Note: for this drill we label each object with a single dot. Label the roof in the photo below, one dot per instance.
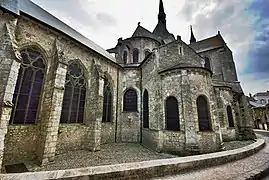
(262, 94)
(256, 105)
(143, 32)
(31, 9)
(208, 44)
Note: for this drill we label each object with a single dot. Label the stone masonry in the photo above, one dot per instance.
(165, 67)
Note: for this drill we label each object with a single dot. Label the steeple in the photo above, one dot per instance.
(193, 39)
(161, 15)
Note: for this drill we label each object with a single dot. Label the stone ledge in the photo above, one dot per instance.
(142, 170)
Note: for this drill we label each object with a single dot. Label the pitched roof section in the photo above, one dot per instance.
(143, 32)
(33, 10)
(208, 44)
(262, 94)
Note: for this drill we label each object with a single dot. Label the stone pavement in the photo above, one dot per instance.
(112, 154)
(241, 169)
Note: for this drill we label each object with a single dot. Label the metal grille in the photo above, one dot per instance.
(172, 114)
(135, 56)
(203, 114)
(146, 110)
(107, 102)
(130, 101)
(74, 95)
(230, 116)
(28, 88)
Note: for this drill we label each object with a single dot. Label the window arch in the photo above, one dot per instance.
(172, 114)
(107, 102)
(203, 114)
(207, 63)
(125, 57)
(135, 55)
(146, 109)
(130, 101)
(74, 94)
(28, 88)
(230, 116)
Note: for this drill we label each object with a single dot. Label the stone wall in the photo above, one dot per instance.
(174, 142)
(151, 139)
(108, 133)
(20, 143)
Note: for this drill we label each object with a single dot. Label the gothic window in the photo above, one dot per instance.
(146, 109)
(172, 114)
(207, 63)
(107, 102)
(230, 116)
(203, 114)
(135, 56)
(125, 57)
(28, 88)
(130, 101)
(74, 94)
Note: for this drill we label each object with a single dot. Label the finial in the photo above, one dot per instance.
(193, 39)
(138, 23)
(218, 32)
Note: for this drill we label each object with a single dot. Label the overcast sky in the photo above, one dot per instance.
(244, 24)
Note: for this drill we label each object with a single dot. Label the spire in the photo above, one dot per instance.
(162, 15)
(193, 39)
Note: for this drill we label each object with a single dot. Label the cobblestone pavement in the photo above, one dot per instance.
(112, 154)
(234, 170)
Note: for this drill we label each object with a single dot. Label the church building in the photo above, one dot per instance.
(61, 92)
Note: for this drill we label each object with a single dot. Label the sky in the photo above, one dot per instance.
(244, 25)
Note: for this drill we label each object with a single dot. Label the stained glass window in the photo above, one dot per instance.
(107, 102)
(230, 116)
(146, 110)
(74, 94)
(203, 114)
(28, 88)
(172, 114)
(130, 101)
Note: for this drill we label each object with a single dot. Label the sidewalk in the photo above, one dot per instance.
(246, 168)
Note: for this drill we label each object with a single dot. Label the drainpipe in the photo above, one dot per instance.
(117, 96)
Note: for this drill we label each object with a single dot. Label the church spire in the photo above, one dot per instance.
(193, 39)
(162, 15)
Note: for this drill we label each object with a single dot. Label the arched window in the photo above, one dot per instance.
(203, 114)
(171, 114)
(135, 55)
(146, 109)
(74, 94)
(230, 116)
(130, 101)
(147, 52)
(107, 102)
(207, 63)
(28, 88)
(125, 57)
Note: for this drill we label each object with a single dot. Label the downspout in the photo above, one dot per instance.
(141, 96)
(117, 102)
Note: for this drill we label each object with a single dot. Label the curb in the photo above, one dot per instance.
(144, 169)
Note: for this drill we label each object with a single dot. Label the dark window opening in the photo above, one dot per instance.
(130, 101)
(172, 114)
(74, 95)
(27, 93)
(207, 63)
(203, 114)
(135, 56)
(107, 102)
(125, 57)
(147, 53)
(230, 116)
(146, 110)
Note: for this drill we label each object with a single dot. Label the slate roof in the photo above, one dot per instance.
(143, 32)
(31, 9)
(256, 105)
(262, 94)
(208, 44)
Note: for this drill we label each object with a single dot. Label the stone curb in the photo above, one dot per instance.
(144, 169)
